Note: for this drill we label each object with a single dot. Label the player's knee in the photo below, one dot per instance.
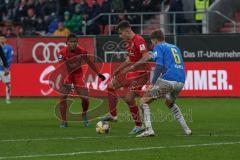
(110, 87)
(169, 103)
(144, 100)
(129, 100)
(85, 99)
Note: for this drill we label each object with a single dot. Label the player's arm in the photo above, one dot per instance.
(10, 56)
(93, 67)
(146, 57)
(122, 66)
(159, 69)
(141, 46)
(4, 60)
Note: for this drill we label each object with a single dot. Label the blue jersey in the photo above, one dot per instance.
(8, 53)
(169, 56)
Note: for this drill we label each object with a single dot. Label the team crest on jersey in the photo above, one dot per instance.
(60, 57)
(153, 54)
(142, 47)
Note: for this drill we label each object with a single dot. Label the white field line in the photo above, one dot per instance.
(97, 137)
(118, 150)
(208, 135)
(59, 138)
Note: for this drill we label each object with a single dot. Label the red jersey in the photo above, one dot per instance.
(65, 54)
(135, 48)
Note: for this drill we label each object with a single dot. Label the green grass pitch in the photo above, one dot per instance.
(29, 130)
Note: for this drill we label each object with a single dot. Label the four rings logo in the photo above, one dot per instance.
(46, 52)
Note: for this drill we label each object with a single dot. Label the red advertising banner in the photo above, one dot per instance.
(44, 50)
(204, 79)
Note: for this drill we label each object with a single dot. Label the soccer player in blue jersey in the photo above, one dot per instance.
(4, 69)
(168, 80)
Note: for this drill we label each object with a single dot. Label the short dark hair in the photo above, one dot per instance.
(123, 25)
(157, 34)
(71, 35)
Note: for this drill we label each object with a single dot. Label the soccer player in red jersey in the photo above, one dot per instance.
(75, 78)
(133, 80)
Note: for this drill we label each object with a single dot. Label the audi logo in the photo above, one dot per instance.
(46, 52)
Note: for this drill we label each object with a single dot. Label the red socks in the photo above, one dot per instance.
(135, 113)
(112, 99)
(63, 109)
(85, 105)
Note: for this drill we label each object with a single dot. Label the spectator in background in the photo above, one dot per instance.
(71, 6)
(133, 6)
(31, 23)
(84, 8)
(50, 10)
(6, 9)
(21, 11)
(67, 20)
(117, 6)
(61, 31)
(199, 6)
(76, 21)
(105, 8)
(177, 6)
(94, 10)
(92, 28)
(1, 30)
(30, 4)
(39, 8)
(19, 30)
(10, 33)
(2, 10)
(146, 5)
(53, 25)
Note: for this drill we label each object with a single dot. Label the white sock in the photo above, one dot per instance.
(178, 116)
(8, 92)
(147, 116)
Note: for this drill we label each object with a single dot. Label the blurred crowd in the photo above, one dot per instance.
(60, 17)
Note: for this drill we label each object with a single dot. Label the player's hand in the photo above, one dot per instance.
(101, 76)
(6, 72)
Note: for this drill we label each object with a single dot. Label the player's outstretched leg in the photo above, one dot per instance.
(147, 121)
(63, 109)
(177, 114)
(145, 101)
(130, 100)
(85, 105)
(112, 99)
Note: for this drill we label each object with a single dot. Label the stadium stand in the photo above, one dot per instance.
(41, 17)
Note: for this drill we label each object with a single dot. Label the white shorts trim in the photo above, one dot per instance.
(3, 78)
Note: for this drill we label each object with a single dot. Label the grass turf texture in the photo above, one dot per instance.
(28, 127)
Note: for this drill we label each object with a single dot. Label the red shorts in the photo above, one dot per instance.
(133, 80)
(75, 79)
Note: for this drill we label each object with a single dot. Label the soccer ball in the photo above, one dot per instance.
(102, 127)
